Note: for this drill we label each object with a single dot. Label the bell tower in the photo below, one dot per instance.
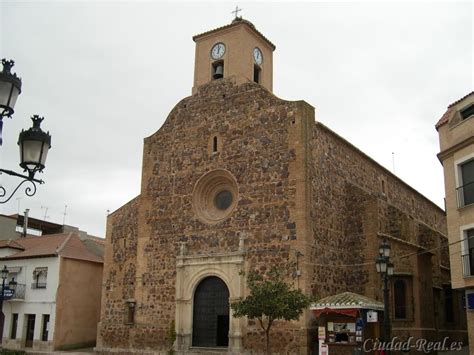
(236, 50)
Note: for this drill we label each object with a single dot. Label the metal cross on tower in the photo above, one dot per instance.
(236, 11)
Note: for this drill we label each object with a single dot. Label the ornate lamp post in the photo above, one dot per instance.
(385, 269)
(10, 88)
(34, 143)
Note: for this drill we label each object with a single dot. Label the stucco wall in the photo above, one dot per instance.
(457, 147)
(8, 228)
(78, 303)
(36, 301)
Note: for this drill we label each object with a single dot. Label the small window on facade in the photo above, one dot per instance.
(383, 187)
(130, 312)
(256, 74)
(45, 328)
(448, 304)
(466, 188)
(214, 144)
(400, 299)
(218, 70)
(467, 112)
(468, 258)
(14, 325)
(40, 275)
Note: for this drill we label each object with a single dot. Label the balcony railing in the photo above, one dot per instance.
(19, 293)
(467, 264)
(465, 194)
(35, 285)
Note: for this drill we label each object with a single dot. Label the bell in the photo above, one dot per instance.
(218, 72)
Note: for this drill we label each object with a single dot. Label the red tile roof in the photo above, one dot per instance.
(462, 98)
(451, 111)
(10, 244)
(237, 21)
(67, 245)
(446, 117)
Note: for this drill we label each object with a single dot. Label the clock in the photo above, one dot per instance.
(218, 50)
(257, 55)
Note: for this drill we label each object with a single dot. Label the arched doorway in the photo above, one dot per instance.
(211, 313)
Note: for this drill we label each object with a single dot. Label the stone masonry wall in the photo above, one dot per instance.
(356, 203)
(301, 190)
(119, 279)
(253, 127)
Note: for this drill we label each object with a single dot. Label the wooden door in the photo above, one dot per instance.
(30, 330)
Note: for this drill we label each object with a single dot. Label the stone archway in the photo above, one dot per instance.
(211, 313)
(191, 272)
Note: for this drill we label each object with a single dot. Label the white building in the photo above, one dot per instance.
(56, 304)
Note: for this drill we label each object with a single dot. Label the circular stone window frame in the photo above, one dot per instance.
(205, 191)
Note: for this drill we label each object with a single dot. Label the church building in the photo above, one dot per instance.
(238, 179)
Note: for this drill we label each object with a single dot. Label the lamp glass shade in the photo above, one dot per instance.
(390, 269)
(33, 154)
(34, 146)
(377, 266)
(10, 88)
(15, 94)
(5, 93)
(384, 249)
(4, 272)
(382, 264)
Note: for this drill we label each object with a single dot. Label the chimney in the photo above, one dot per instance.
(25, 222)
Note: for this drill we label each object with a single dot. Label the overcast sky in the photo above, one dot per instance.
(106, 74)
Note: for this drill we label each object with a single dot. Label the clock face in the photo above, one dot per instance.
(257, 55)
(217, 51)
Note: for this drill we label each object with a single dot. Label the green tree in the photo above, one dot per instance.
(270, 299)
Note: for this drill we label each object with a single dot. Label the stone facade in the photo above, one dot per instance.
(305, 199)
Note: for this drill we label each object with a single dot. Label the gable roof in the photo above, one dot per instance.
(462, 98)
(451, 111)
(10, 243)
(67, 245)
(237, 21)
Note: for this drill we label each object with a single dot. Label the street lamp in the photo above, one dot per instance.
(4, 275)
(385, 269)
(34, 146)
(12, 285)
(10, 88)
(34, 143)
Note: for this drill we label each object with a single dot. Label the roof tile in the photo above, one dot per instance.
(451, 111)
(67, 245)
(347, 300)
(237, 21)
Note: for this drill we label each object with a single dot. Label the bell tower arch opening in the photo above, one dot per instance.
(211, 313)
